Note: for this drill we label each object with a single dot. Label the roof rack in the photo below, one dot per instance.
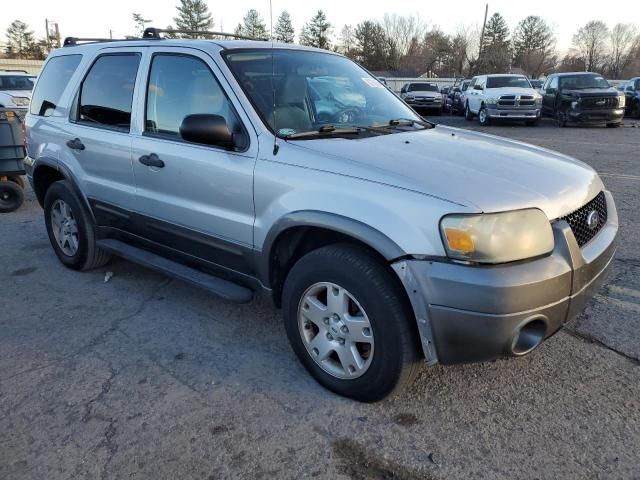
(154, 33)
(71, 41)
(13, 70)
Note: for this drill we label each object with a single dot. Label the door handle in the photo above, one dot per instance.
(75, 144)
(151, 160)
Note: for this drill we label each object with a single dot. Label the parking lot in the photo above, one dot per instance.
(142, 376)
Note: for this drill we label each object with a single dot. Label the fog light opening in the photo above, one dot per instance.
(528, 337)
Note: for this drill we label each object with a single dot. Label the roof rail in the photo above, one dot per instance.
(71, 41)
(13, 71)
(154, 33)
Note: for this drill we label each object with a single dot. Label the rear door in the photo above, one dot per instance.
(99, 133)
(200, 201)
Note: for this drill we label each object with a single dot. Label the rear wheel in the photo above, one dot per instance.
(70, 229)
(468, 114)
(349, 324)
(11, 196)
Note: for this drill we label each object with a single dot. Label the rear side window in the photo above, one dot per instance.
(106, 93)
(54, 78)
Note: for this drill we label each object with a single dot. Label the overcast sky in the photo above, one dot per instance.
(92, 18)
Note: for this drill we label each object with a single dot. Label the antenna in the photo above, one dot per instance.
(276, 147)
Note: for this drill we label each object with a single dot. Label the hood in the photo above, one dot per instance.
(482, 172)
(592, 92)
(17, 93)
(512, 91)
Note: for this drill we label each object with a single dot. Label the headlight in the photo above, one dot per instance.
(20, 101)
(538, 100)
(497, 237)
(437, 99)
(490, 101)
(622, 101)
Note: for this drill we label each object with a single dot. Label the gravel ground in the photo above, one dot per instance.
(145, 377)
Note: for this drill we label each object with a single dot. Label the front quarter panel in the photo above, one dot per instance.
(291, 182)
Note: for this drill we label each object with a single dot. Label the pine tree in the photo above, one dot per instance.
(140, 22)
(193, 15)
(316, 32)
(283, 30)
(496, 49)
(20, 41)
(533, 46)
(252, 25)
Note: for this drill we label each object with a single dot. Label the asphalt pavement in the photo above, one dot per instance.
(146, 377)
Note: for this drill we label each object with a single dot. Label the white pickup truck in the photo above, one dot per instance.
(502, 97)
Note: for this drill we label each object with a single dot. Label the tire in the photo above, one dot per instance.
(483, 117)
(532, 123)
(635, 110)
(613, 125)
(17, 179)
(468, 114)
(561, 118)
(393, 350)
(86, 255)
(11, 196)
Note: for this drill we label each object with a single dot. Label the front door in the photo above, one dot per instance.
(549, 96)
(200, 200)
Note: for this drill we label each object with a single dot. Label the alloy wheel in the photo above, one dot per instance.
(64, 228)
(335, 330)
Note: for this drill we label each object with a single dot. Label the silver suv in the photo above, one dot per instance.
(242, 166)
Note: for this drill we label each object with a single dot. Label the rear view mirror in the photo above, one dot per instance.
(208, 130)
(477, 87)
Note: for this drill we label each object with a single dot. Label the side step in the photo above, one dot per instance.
(215, 285)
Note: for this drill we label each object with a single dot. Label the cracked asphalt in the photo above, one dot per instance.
(146, 377)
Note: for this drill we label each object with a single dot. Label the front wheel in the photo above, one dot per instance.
(561, 118)
(483, 117)
(349, 323)
(613, 125)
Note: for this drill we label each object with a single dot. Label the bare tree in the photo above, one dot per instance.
(347, 41)
(590, 44)
(621, 39)
(401, 33)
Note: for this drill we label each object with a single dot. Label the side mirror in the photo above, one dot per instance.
(477, 87)
(208, 130)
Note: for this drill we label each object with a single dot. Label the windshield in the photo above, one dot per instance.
(16, 82)
(508, 82)
(581, 82)
(423, 87)
(300, 91)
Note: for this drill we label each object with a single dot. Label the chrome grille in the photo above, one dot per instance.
(578, 220)
(512, 101)
(599, 102)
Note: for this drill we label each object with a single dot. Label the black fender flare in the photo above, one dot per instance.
(356, 229)
(67, 174)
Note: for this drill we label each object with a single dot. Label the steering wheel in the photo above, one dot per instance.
(347, 115)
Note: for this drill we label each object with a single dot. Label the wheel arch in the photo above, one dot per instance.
(300, 232)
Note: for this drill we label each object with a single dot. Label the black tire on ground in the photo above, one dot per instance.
(561, 118)
(87, 256)
(17, 179)
(532, 123)
(396, 351)
(468, 115)
(11, 196)
(613, 125)
(483, 118)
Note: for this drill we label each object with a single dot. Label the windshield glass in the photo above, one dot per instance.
(16, 82)
(423, 87)
(581, 82)
(508, 82)
(301, 91)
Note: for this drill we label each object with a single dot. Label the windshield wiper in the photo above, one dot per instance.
(325, 131)
(406, 122)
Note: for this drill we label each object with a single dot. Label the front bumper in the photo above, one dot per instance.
(471, 313)
(513, 114)
(596, 116)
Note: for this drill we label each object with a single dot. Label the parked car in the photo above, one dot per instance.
(582, 97)
(631, 89)
(385, 239)
(502, 97)
(459, 97)
(447, 98)
(424, 97)
(15, 89)
(537, 84)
